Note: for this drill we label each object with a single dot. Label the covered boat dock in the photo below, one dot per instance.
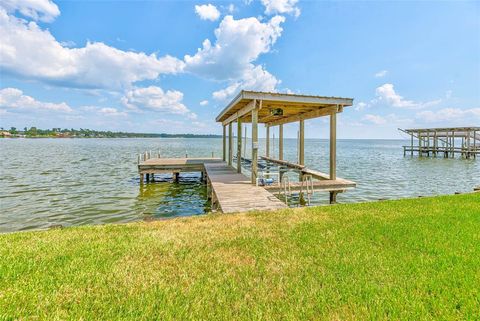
(229, 189)
(278, 109)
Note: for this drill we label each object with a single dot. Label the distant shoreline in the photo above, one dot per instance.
(35, 132)
(177, 136)
(77, 137)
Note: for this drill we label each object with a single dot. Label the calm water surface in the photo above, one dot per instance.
(49, 182)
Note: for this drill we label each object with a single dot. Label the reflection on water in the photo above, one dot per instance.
(50, 182)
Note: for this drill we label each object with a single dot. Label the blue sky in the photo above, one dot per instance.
(165, 66)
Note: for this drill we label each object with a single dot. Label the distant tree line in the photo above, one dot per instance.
(88, 133)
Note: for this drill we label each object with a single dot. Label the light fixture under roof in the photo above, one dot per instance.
(276, 112)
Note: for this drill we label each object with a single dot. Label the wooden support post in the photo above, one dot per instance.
(176, 176)
(333, 146)
(255, 141)
(224, 154)
(147, 177)
(273, 143)
(333, 197)
(419, 144)
(267, 141)
(142, 178)
(230, 145)
(301, 143)
(453, 144)
(245, 143)
(468, 144)
(239, 145)
(428, 143)
(209, 190)
(475, 147)
(280, 142)
(411, 145)
(445, 153)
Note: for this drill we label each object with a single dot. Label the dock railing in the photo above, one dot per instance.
(142, 157)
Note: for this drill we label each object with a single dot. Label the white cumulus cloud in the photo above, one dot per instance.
(450, 114)
(360, 106)
(41, 10)
(281, 7)
(109, 111)
(255, 78)
(204, 103)
(15, 99)
(156, 99)
(231, 58)
(32, 52)
(207, 12)
(386, 93)
(238, 43)
(375, 119)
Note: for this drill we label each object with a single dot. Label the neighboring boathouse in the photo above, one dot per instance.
(451, 141)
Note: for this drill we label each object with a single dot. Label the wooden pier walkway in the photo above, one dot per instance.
(174, 165)
(233, 192)
(229, 191)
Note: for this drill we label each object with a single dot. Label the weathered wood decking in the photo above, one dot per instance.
(233, 192)
(230, 191)
(174, 165)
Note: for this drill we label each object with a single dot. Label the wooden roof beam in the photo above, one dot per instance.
(242, 112)
(449, 129)
(280, 98)
(311, 114)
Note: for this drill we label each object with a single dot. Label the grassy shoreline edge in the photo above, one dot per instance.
(402, 259)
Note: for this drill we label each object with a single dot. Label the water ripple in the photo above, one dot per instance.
(53, 182)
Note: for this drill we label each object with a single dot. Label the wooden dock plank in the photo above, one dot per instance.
(179, 161)
(174, 165)
(235, 193)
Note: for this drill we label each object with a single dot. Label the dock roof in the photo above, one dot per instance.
(442, 129)
(280, 108)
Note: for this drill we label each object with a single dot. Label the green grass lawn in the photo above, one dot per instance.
(415, 259)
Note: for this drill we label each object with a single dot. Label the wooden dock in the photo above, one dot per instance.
(233, 192)
(230, 192)
(229, 189)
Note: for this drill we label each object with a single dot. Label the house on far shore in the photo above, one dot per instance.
(63, 135)
(5, 133)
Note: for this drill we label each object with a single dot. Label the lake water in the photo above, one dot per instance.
(51, 182)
